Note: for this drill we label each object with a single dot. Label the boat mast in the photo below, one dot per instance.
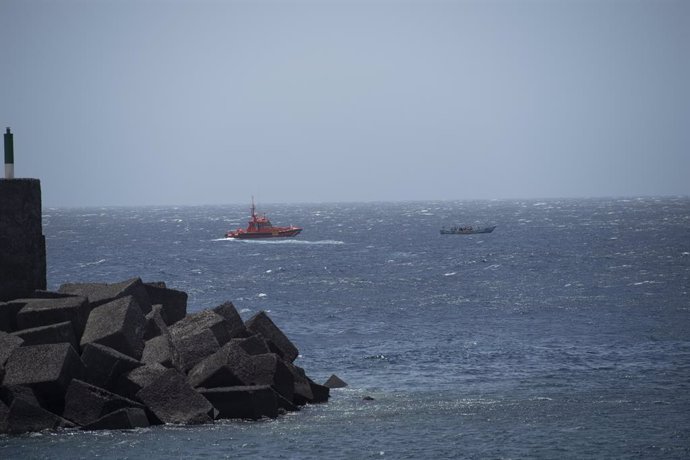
(253, 208)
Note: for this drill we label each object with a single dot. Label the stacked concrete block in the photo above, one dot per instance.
(103, 356)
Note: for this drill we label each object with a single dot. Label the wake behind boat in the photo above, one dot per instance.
(261, 227)
(466, 230)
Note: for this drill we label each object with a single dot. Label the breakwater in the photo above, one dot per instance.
(127, 355)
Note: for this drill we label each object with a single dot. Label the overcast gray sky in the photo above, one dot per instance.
(126, 102)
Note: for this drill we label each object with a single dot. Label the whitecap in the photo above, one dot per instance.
(450, 274)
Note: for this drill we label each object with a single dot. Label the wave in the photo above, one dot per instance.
(87, 264)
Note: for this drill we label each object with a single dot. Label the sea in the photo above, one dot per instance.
(565, 333)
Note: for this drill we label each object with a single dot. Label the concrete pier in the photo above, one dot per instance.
(22, 244)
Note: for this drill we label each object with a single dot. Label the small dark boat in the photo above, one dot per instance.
(466, 230)
(261, 227)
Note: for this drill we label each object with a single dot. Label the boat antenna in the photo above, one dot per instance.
(253, 208)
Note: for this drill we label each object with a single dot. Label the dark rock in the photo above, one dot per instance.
(269, 369)
(8, 343)
(122, 419)
(130, 383)
(43, 312)
(263, 325)
(244, 402)
(192, 346)
(173, 302)
(54, 333)
(105, 365)
(172, 400)
(321, 393)
(102, 293)
(119, 325)
(335, 382)
(24, 417)
(235, 324)
(46, 369)
(86, 403)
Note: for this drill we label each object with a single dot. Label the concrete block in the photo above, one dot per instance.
(131, 382)
(53, 333)
(8, 315)
(204, 319)
(86, 403)
(9, 393)
(235, 324)
(335, 382)
(155, 325)
(8, 343)
(160, 350)
(213, 371)
(118, 324)
(303, 393)
(243, 402)
(46, 369)
(321, 393)
(24, 417)
(172, 400)
(122, 419)
(44, 312)
(263, 325)
(102, 293)
(104, 365)
(173, 302)
(254, 345)
(192, 345)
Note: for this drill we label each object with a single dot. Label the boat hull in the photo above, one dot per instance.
(467, 231)
(243, 235)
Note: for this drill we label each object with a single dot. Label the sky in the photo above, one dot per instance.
(182, 102)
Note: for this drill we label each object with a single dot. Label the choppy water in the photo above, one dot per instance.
(564, 333)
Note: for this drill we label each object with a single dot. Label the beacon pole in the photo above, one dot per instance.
(9, 155)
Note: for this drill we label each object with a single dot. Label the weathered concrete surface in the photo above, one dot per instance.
(131, 382)
(22, 244)
(204, 319)
(214, 371)
(172, 400)
(104, 365)
(118, 324)
(263, 325)
(46, 369)
(86, 403)
(53, 333)
(160, 350)
(335, 382)
(25, 417)
(126, 418)
(44, 312)
(102, 293)
(8, 316)
(192, 346)
(8, 343)
(235, 324)
(173, 302)
(244, 402)
(254, 345)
